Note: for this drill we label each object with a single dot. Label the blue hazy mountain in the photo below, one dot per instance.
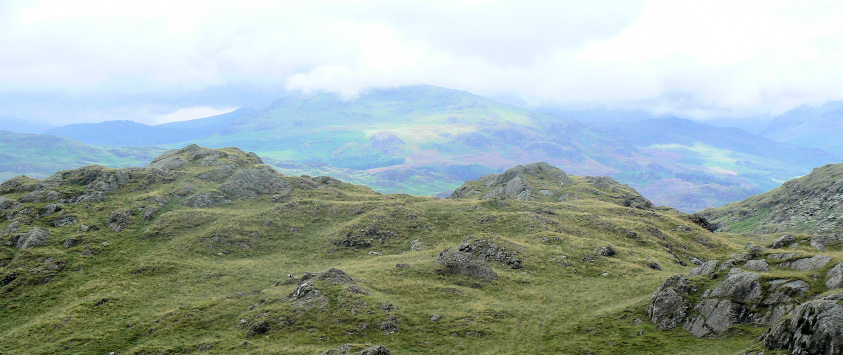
(129, 133)
(810, 126)
(15, 124)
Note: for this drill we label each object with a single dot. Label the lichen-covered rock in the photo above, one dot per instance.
(806, 264)
(823, 241)
(250, 183)
(834, 277)
(457, 262)
(605, 250)
(62, 221)
(41, 196)
(219, 174)
(717, 315)
(741, 287)
(757, 265)
(706, 269)
(492, 250)
(119, 220)
(206, 200)
(670, 302)
(18, 184)
(782, 242)
(375, 350)
(9, 204)
(815, 327)
(38, 237)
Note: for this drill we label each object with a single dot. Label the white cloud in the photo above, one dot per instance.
(692, 58)
(191, 113)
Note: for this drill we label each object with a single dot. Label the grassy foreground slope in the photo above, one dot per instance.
(208, 250)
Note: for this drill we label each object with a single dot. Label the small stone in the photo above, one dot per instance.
(435, 318)
(604, 274)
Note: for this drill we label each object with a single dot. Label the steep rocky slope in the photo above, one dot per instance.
(794, 293)
(210, 250)
(812, 204)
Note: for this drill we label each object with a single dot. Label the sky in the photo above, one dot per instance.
(161, 61)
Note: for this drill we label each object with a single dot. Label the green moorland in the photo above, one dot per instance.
(203, 250)
(39, 155)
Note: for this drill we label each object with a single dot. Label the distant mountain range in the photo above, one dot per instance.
(39, 155)
(810, 126)
(427, 140)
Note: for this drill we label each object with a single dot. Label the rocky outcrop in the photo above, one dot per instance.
(806, 264)
(834, 277)
(457, 262)
(345, 349)
(811, 204)
(119, 220)
(307, 295)
(492, 250)
(741, 298)
(206, 200)
(757, 265)
(9, 204)
(707, 269)
(250, 183)
(37, 237)
(670, 303)
(815, 327)
(823, 241)
(782, 242)
(513, 182)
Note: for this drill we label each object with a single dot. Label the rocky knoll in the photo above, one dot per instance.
(811, 204)
(543, 182)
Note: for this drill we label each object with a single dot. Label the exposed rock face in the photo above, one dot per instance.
(834, 277)
(742, 287)
(670, 302)
(782, 242)
(717, 315)
(725, 305)
(757, 265)
(457, 262)
(706, 269)
(206, 200)
(119, 220)
(822, 241)
(219, 174)
(815, 327)
(250, 183)
(805, 264)
(37, 237)
(491, 250)
(8, 204)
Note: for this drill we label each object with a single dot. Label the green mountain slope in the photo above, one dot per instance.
(812, 204)
(426, 140)
(209, 250)
(38, 155)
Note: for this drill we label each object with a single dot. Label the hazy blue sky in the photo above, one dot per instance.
(156, 61)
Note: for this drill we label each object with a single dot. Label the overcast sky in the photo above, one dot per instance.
(158, 61)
